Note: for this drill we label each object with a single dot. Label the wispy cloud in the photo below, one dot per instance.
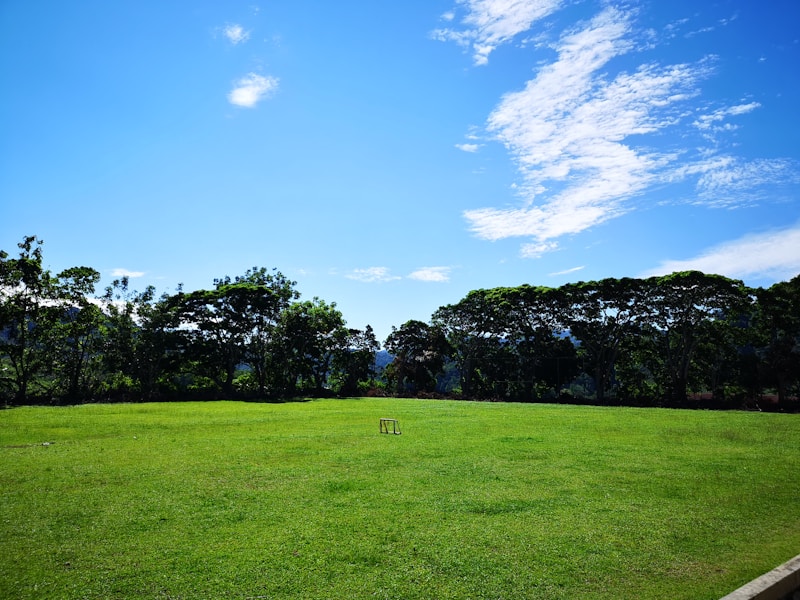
(491, 23)
(706, 121)
(567, 271)
(729, 181)
(127, 273)
(432, 274)
(721, 23)
(251, 89)
(711, 123)
(372, 275)
(384, 274)
(578, 135)
(536, 249)
(235, 33)
(468, 147)
(773, 254)
(566, 131)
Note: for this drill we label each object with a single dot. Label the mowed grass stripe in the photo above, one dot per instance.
(473, 500)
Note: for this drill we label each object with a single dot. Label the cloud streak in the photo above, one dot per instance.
(725, 181)
(491, 23)
(372, 275)
(707, 121)
(251, 89)
(432, 274)
(567, 271)
(383, 274)
(127, 273)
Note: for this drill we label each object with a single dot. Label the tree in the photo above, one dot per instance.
(778, 322)
(601, 315)
(681, 304)
(27, 315)
(722, 363)
(354, 361)
(419, 353)
(313, 333)
(76, 342)
(235, 323)
(530, 321)
(142, 339)
(271, 295)
(49, 329)
(470, 327)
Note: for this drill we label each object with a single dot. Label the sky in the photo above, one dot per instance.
(392, 156)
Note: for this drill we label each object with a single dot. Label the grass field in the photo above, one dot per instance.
(473, 500)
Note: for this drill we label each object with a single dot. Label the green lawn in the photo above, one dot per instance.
(473, 500)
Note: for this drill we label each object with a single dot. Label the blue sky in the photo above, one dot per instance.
(392, 156)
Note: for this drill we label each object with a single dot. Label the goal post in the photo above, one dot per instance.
(390, 426)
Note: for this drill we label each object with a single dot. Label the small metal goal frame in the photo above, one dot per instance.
(395, 426)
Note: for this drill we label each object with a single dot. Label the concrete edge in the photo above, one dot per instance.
(778, 584)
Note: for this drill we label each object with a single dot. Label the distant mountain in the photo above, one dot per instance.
(382, 358)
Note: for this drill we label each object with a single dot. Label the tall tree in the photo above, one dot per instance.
(601, 315)
(471, 328)
(271, 295)
(28, 313)
(532, 324)
(313, 332)
(354, 361)
(778, 321)
(77, 335)
(681, 304)
(420, 351)
(235, 324)
(142, 339)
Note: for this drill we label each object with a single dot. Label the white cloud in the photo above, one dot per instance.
(372, 275)
(491, 23)
(251, 89)
(537, 249)
(583, 135)
(127, 273)
(707, 122)
(567, 271)
(773, 254)
(235, 33)
(567, 131)
(729, 181)
(434, 274)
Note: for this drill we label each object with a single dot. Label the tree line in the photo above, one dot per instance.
(684, 339)
(250, 336)
(688, 338)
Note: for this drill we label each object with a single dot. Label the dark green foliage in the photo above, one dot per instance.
(684, 339)
(143, 343)
(354, 363)
(419, 353)
(312, 333)
(778, 325)
(234, 324)
(249, 336)
(49, 330)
